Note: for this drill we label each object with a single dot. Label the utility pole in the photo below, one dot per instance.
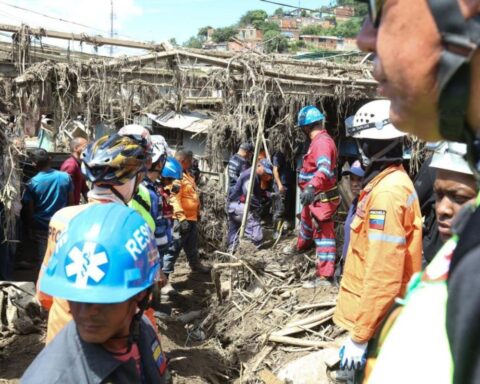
(111, 25)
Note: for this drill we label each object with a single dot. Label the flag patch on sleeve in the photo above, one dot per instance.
(376, 219)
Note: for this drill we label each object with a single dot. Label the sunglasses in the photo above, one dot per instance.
(374, 10)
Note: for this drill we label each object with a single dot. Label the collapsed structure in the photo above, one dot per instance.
(231, 97)
(235, 92)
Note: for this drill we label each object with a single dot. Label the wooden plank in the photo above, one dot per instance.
(83, 37)
(269, 378)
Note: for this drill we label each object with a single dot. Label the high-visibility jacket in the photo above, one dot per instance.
(59, 311)
(385, 250)
(416, 333)
(142, 203)
(319, 169)
(186, 203)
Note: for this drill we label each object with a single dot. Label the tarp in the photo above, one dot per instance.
(193, 122)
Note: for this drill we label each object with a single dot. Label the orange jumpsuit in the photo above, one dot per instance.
(385, 250)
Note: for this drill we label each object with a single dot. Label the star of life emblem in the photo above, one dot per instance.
(86, 265)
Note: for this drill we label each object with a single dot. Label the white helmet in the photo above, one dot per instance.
(159, 147)
(372, 121)
(450, 156)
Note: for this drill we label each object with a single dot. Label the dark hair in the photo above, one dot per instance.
(40, 157)
(183, 154)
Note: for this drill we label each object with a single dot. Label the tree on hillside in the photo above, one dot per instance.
(349, 28)
(274, 41)
(221, 35)
(193, 42)
(255, 18)
(203, 32)
(313, 29)
(269, 26)
(279, 12)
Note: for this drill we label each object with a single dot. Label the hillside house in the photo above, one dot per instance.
(344, 13)
(323, 42)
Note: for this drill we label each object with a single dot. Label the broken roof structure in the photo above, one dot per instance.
(238, 91)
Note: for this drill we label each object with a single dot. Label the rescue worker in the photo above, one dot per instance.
(385, 247)
(419, 319)
(159, 156)
(236, 205)
(355, 178)
(239, 162)
(423, 184)
(186, 209)
(437, 95)
(143, 201)
(114, 166)
(319, 196)
(104, 266)
(172, 174)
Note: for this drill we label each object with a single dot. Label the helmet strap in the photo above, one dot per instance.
(460, 38)
(118, 194)
(367, 161)
(134, 334)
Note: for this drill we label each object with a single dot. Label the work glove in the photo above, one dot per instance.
(307, 195)
(353, 355)
(184, 227)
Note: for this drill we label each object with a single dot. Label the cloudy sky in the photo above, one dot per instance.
(145, 20)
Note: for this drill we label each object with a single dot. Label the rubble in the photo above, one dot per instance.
(20, 311)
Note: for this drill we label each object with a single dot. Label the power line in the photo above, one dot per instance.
(59, 19)
(51, 17)
(289, 5)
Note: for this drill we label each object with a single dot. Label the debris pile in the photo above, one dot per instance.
(259, 317)
(20, 312)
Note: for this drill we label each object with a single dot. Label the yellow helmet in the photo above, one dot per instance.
(113, 160)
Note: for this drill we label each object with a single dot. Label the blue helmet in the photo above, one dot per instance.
(172, 169)
(309, 115)
(106, 254)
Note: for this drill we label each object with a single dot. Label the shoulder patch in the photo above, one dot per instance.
(376, 219)
(159, 357)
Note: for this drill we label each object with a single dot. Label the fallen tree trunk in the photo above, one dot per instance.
(313, 318)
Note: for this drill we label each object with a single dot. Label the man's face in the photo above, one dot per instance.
(98, 323)
(355, 184)
(453, 190)
(407, 45)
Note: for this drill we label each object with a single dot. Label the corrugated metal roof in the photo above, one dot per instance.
(193, 122)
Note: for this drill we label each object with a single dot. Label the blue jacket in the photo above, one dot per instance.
(69, 360)
(236, 165)
(162, 224)
(239, 192)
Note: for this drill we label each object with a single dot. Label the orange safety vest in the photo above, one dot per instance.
(385, 250)
(186, 203)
